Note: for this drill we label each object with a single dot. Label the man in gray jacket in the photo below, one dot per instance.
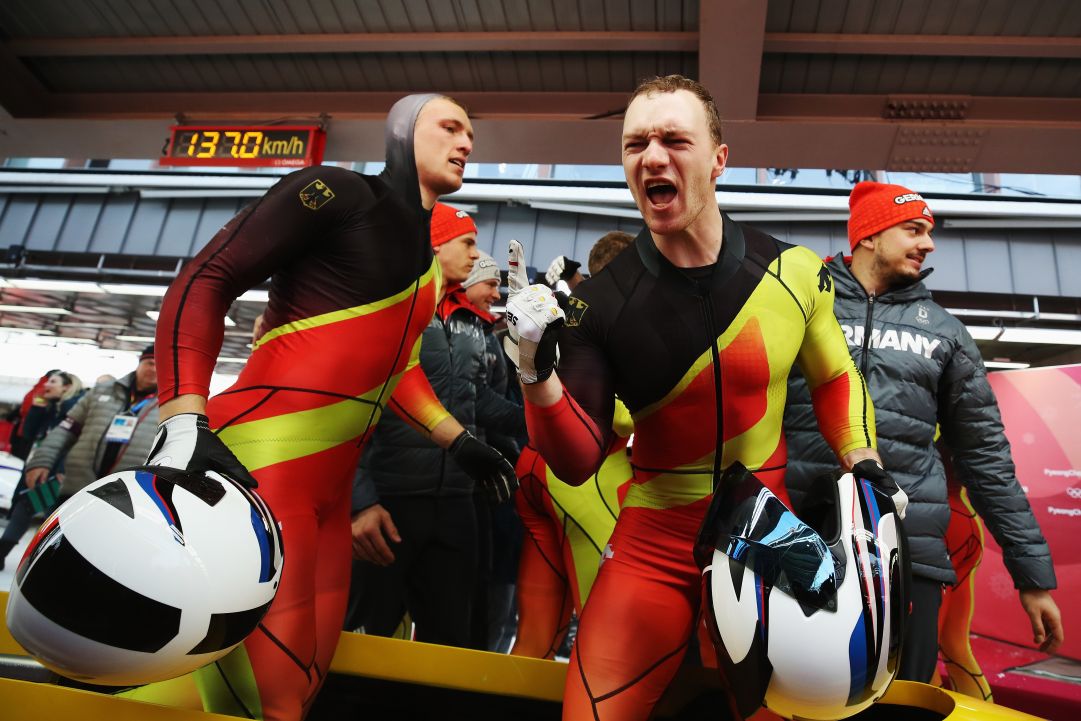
(111, 427)
(923, 371)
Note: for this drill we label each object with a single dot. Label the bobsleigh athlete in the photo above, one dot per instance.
(353, 283)
(695, 328)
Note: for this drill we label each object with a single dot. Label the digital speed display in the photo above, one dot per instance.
(244, 146)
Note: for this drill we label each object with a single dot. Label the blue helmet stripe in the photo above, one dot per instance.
(264, 546)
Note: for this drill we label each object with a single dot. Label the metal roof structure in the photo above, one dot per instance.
(943, 85)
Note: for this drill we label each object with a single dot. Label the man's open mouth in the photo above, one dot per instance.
(660, 192)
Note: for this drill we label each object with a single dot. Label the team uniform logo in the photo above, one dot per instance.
(825, 280)
(576, 308)
(922, 315)
(316, 195)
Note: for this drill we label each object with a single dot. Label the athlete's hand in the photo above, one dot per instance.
(185, 441)
(871, 470)
(533, 322)
(372, 528)
(485, 465)
(1045, 617)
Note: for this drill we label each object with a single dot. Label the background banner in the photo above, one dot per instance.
(1041, 409)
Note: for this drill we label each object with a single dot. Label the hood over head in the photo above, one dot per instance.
(401, 170)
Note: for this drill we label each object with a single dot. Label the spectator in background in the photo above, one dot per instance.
(111, 427)
(922, 370)
(499, 421)
(408, 492)
(29, 417)
(58, 395)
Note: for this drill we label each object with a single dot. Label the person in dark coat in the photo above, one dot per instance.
(923, 371)
(415, 534)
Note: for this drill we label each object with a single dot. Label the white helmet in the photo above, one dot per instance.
(806, 613)
(145, 575)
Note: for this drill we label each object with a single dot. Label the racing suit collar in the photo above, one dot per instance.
(733, 250)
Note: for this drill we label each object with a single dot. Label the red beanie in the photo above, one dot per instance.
(448, 223)
(873, 207)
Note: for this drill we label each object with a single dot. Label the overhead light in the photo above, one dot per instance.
(1005, 365)
(33, 309)
(63, 286)
(137, 338)
(605, 210)
(1012, 223)
(74, 324)
(134, 289)
(255, 296)
(1030, 336)
(29, 331)
(1022, 314)
(153, 315)
(66, 339)
(232, 360)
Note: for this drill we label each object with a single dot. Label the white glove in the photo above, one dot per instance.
(533, 321)
(555, 271)
(185, 441)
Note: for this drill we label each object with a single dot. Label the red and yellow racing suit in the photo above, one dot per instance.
(701, 359)
(567, 529)
(353, 284)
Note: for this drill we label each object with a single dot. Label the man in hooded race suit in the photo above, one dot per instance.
(695, 328)
(353, 284)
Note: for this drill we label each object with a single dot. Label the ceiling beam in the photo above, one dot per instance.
(947, 110)
(792, 142)
(924, 45)
(20, 92)
(471, 42)
(730, 39)
(251, 105)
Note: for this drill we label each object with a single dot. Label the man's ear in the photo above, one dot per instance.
(720, 160)
(868, 243)
(436, 249)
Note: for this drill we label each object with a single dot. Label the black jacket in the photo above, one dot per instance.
(923, 368)
(400, 461)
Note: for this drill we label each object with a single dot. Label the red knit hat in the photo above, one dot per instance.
(876, 206)
(448, 223)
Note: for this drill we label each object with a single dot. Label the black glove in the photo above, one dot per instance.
(185, 441)
(871, 470)
(485, 465)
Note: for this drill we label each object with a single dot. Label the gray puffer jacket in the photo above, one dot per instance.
(922, 368)
(83, 433)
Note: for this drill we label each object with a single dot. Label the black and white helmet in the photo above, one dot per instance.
(806, 612)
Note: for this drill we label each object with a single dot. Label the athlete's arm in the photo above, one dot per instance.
(568, 433)
(838, 392)
(262, 238)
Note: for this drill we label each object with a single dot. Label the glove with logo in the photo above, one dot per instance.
(533, 321)
(485, 465)
(876, 474)
(185, 441)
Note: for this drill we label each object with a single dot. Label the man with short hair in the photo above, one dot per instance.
(695, 329)
(923, 371)
(607, 247)
(353, 284)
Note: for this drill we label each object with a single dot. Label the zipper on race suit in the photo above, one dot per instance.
(867, 334)
(711, 331)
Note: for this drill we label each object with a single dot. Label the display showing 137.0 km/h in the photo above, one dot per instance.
(245, 145)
